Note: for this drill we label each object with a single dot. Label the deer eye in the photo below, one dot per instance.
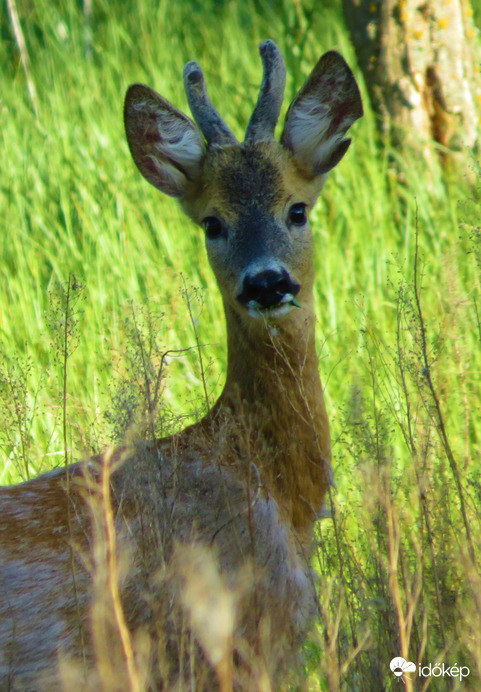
(297, 214)
(213, 227)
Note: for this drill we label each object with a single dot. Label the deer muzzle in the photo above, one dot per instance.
(271, 293)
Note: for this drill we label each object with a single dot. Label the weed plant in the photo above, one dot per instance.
(135, 348)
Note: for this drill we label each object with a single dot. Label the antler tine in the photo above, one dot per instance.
(264, 118)
(206, 116)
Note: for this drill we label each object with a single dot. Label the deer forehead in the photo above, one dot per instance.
(238, 180)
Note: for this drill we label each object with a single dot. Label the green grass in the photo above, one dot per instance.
(72, 203)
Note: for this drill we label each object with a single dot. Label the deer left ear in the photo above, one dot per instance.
(320, 115)
(165, 144)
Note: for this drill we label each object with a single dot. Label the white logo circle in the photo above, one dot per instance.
(399, 666)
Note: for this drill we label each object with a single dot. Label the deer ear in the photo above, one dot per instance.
(165, 144)
(320, 115)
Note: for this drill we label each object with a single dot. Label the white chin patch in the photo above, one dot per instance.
(283, 308)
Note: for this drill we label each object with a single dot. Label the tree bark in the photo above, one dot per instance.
(420, 62)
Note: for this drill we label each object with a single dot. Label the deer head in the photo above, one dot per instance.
(251, 198)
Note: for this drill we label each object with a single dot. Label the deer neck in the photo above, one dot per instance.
(273, 390)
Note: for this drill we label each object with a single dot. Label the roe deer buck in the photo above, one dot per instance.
(212, 527)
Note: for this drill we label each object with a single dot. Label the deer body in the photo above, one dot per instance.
(212, 527)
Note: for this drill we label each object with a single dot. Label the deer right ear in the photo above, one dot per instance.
(320, 115)
(165, 144)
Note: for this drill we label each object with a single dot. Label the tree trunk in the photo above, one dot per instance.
(420, 62)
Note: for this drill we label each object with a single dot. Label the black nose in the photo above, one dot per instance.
(267, 288)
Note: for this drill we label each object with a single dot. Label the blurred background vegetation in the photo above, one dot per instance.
(94, 262)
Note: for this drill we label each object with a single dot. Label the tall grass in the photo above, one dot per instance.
(398, 259)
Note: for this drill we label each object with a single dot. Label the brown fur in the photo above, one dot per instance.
(185, 560)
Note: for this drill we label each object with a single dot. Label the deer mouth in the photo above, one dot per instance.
(279, 306)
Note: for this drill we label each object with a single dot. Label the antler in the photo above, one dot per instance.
(264, 118)
(206, 116)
